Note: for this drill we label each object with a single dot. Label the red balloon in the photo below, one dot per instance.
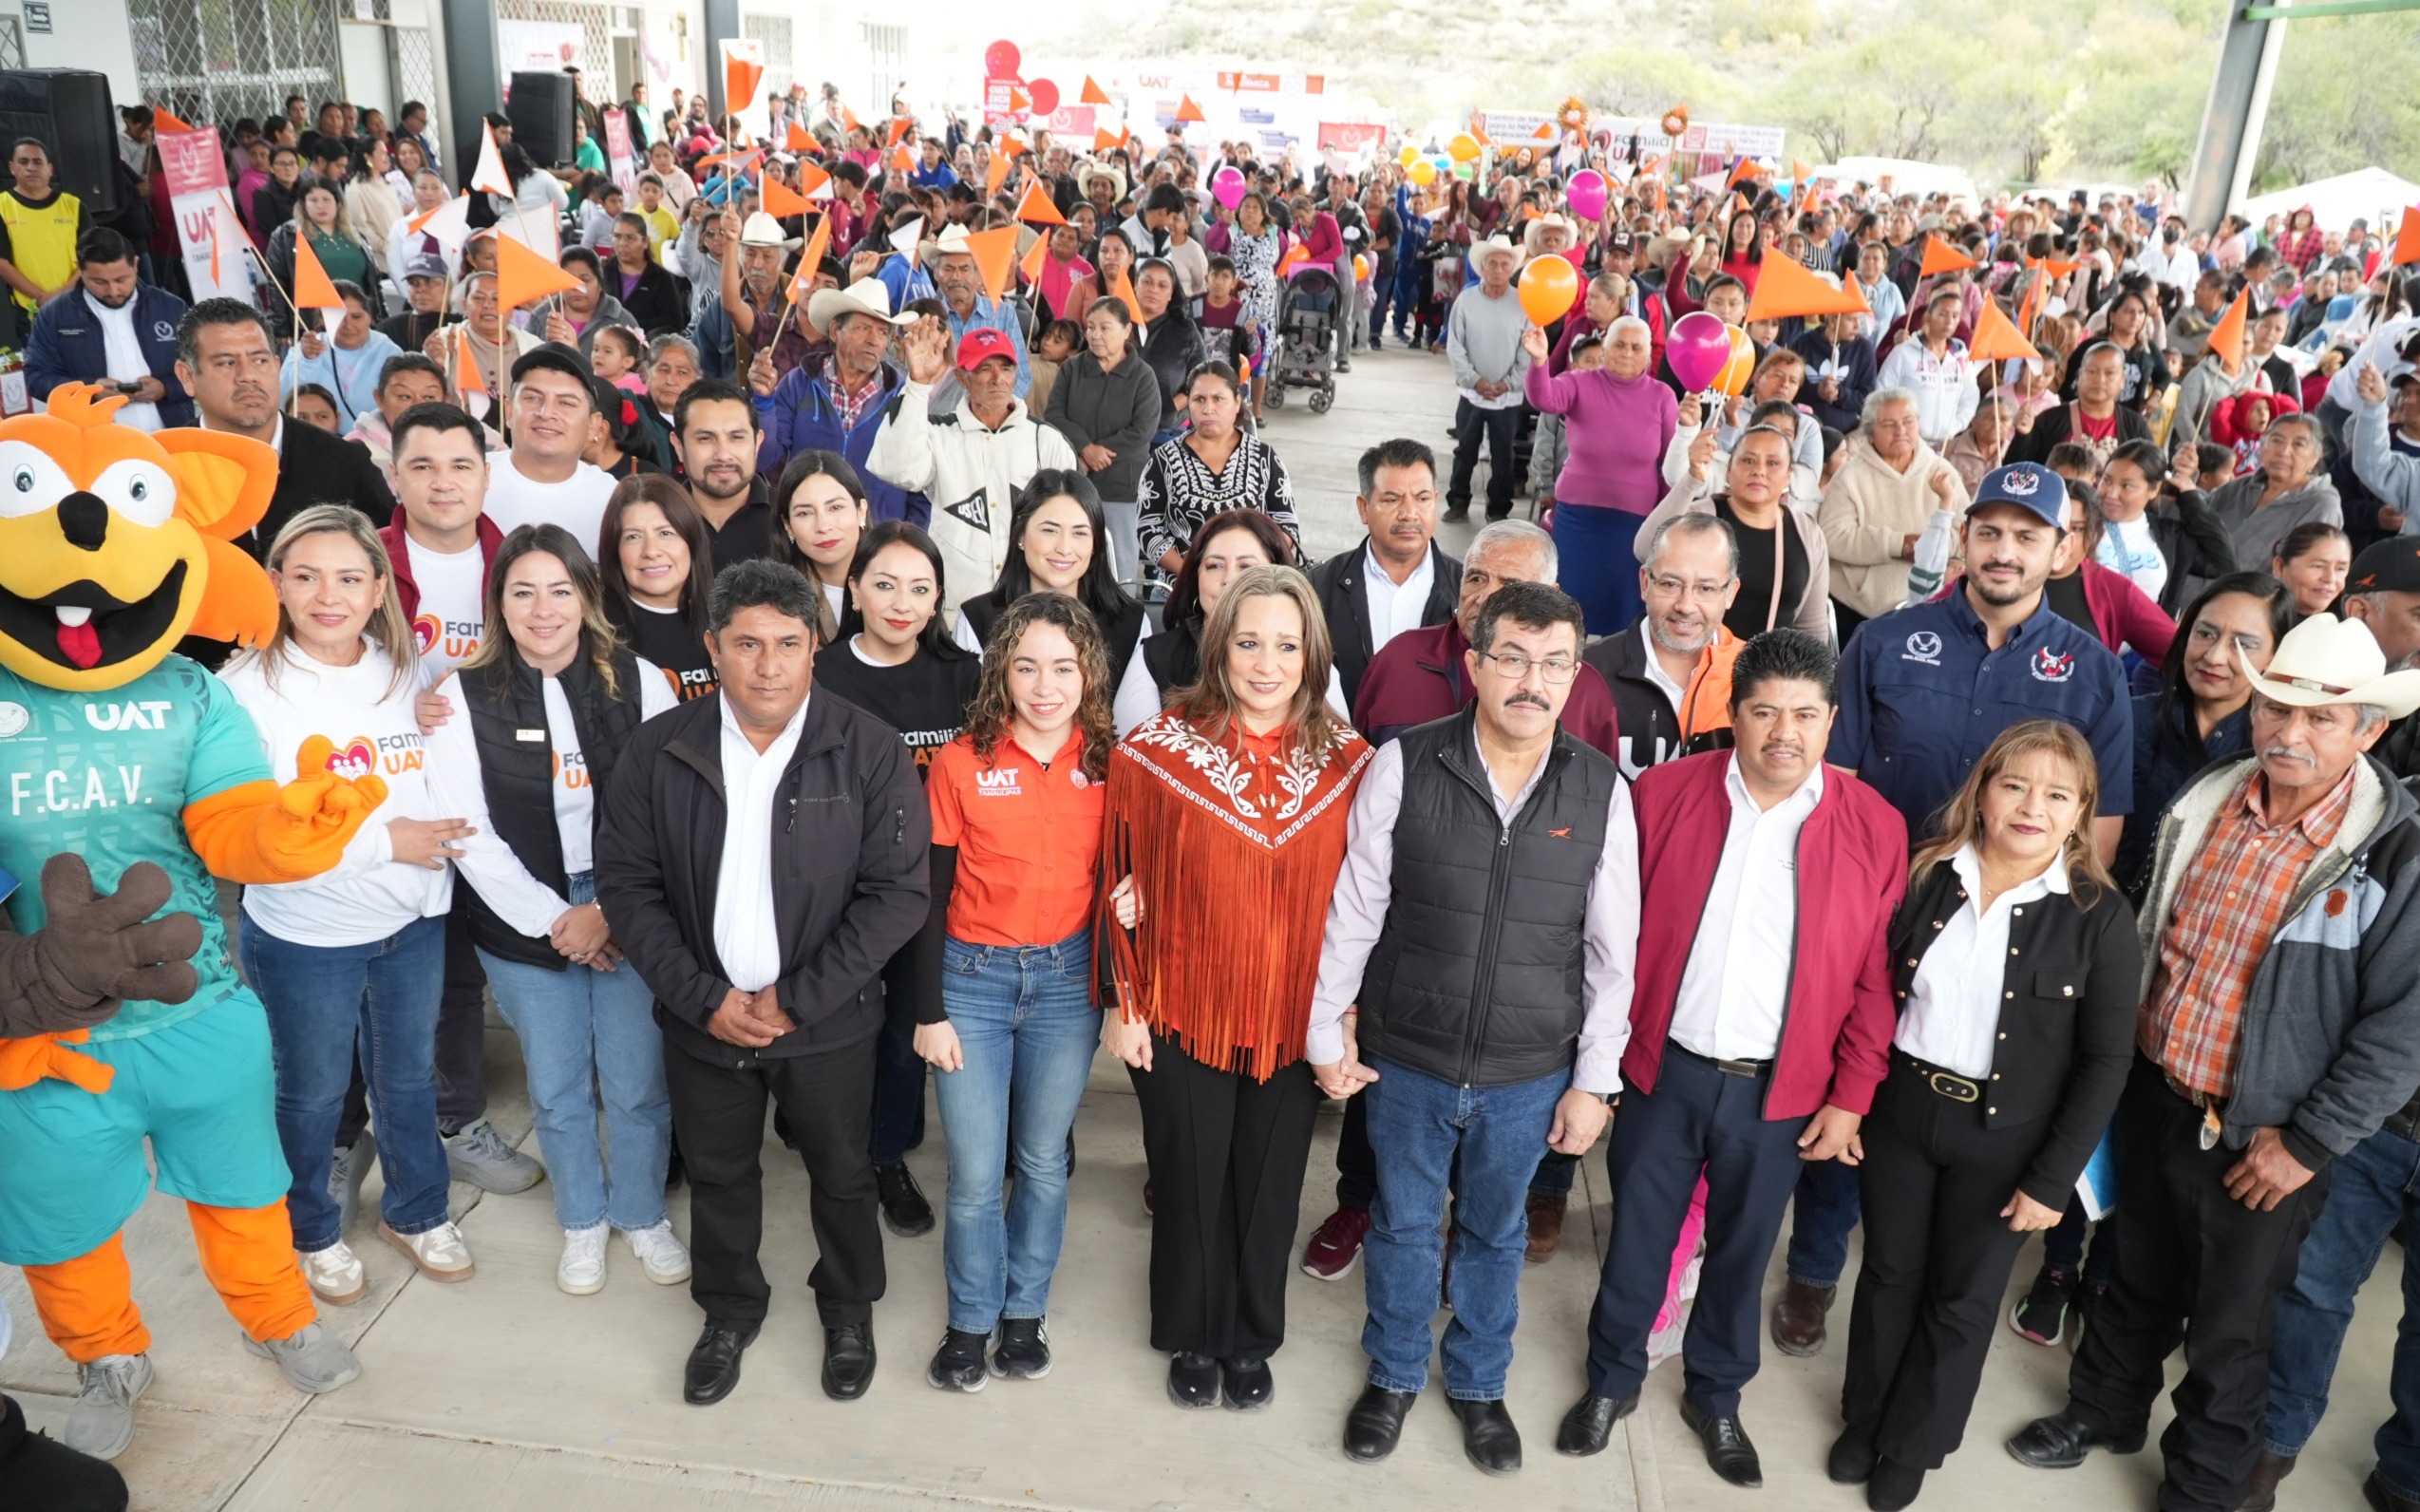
(1046, 96)
(1000, 60)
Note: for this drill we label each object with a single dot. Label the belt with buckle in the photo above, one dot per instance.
(1750, 1069)
(1943, 1083)
(2211, 1104)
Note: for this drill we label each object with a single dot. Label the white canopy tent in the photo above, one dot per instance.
(1906, 175)
(2368, 193)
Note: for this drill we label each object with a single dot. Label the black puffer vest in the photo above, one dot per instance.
(507, 702)
(1477, 977)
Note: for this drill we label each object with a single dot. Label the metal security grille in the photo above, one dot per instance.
(774, 34)
(12, 43)
(595, 25)
(414, 56)
(887, 59)
(216, 60)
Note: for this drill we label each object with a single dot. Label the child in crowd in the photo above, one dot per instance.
(1057, 342)
(662, 225)
(616, 355)
(2239, 423)
(1226, 331)
(2213, 466)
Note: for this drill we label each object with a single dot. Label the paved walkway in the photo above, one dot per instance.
(505, 1393)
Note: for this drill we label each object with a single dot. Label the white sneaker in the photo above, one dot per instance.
(335, 1274)
(582, 1271)
(661, 1251)
(440, 1252)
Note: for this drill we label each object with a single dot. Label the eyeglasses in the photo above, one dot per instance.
(1514, 665)
(1674, 588)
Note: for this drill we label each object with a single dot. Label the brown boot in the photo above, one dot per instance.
(1798, 1317)
(1545, 1224)
(2260, 1495)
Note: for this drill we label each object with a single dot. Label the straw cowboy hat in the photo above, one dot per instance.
(867, 297)
(1482, 251)
(2327, 660)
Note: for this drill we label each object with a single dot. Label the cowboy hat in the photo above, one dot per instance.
(1482, 251)
(867, 297)
(764, 231)
(2327, 660)
(953, 238)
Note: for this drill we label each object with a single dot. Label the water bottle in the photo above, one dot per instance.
(1930, 562)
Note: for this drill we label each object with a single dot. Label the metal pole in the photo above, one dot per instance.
(474, 75)
(2221, 158)
(722, 25)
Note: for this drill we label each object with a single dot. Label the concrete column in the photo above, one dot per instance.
(2231, 122)
(473, 71)
(722, 24)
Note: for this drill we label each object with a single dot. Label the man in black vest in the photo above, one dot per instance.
(1399, 579)
(1485, 923)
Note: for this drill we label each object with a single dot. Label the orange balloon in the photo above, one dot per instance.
(1360, 268)
(1548, 287)
(1733, 380)
(1423, 173)
(1463, 148)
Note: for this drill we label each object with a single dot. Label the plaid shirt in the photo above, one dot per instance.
(2227, 909)
(850, 406)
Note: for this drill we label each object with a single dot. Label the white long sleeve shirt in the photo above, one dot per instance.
(1952, 1019)
(1736, 985)
(1365, 890)
(746, 938)
(1944, 388)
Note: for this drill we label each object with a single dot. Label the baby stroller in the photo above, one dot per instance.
(1306, 346)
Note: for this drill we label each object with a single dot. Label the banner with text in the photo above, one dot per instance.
(214, 244)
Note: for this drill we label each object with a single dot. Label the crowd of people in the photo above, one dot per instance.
(1959, 798)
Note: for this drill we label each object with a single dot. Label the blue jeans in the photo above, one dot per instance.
(319, 999)
(1824, 1213)
(1419, 1126)
(590, 1036)
(2378, 1185)
(1027, 1028)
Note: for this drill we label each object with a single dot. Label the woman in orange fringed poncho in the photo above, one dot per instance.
(1226, 823)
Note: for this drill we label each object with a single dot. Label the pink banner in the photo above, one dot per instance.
(194, 161)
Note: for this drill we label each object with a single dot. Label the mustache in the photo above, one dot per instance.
(2290, 753)
(1533, 700)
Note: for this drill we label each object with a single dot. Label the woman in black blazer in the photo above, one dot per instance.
(2017, 972)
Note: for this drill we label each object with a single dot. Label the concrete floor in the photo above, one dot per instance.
(504, 1392)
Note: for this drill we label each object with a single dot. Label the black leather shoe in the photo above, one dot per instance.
(904, 1210)
(1893, 1487)
(1728, 1452)
(1376, 1421)
(848, 1360)
(1488, 1436)
(714, 1364)
(1851, 1460)
(1589, 1426)
(2060, 1443)
(1193, 1379)
(2260, 1495)
(1247, 1382)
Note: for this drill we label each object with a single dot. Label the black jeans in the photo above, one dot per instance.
(1358, 1164)
(718, 1113)
(41, 1476)
(1499, 426)
(1938, 1257)
(462, 1045)
(2198, 1268)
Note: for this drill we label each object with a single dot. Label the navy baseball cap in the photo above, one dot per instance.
(2028, 486)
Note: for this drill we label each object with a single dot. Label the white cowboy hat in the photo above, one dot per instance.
(1482, 251)
(953, 238)
(2327, 660)
(764, 231)
(867, 297)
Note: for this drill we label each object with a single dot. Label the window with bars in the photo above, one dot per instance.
(595, 22)
(12, 43)
(774, 34)
(219, 60)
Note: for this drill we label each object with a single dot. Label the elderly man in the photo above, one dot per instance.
(2093, 419)
(1483, 345)
(959, 282)
(752, 299)
(1876, 508)
(1401, 579)
(2289, 488)
(1671, 669)
(119, 334)
(2280, 1031)
(1424, 959)
(835, 400)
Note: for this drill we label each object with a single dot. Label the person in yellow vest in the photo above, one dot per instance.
(38, 229)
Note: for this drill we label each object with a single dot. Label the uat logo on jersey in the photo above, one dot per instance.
(357, 757)
(426, 630)
(2049, 667)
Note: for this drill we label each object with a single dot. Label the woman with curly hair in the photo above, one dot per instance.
(1016, 804)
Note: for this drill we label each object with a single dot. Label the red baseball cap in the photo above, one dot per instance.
(983, 343)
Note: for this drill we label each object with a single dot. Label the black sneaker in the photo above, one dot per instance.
(903, 1205)
(957, 1364)
(2041, 1314)
(1023, 1352)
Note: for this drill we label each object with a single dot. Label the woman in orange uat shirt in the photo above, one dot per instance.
(1016, 854)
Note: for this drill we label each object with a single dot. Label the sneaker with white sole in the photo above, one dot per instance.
(315, 1360)
(581, 1272)
(335, 1274)
(479, 1155)
(344, 1176)
(102, 1422)
(440, 1252)
(661, 1251)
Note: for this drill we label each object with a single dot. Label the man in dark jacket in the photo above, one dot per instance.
(114, 332)
(1485, 923)
(1671, 670)
(2093, 419)
(761, 921)
(835, 401)
(1399, 579)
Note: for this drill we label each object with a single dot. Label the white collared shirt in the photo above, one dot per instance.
(1952, 1012)
(746, 938)
(1395, 607)
(1673, 693)
(122, 348)
(1736, 986)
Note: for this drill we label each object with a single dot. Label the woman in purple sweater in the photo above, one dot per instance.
(1616, 421)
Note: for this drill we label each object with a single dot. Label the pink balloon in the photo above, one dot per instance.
(1046, 96)
(1698, 347)
(1227, 186)
(1586, 195)
(1002, 58)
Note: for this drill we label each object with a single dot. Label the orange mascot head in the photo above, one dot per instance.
(113, 545)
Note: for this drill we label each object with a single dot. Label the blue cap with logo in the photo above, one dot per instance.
(2028, 486)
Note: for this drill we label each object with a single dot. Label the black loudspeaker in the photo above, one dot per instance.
(68, 111)
(540, 109)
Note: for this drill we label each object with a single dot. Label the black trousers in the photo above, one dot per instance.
(1358, 1164)
(1227, 1155)
(718, 1115)
(1697, 1119)
(898, 1072)
(1499, 426)
(1938, 1257)
(462, 1045)
(41, 1476)
(2197, 1267)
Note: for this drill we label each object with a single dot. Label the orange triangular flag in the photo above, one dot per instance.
(898, 130)
(1093, 94)
(1849, 286)
(2406, 239)
(849, 119)
(1995, 339)
(997, 174)
(1019, 101)
(1031, 267)
(798, 140)
(312, 290)
(1103, 141)
(1187, 111)
(1784, 287)
(523, 277)
(818, 243)
(2226, 337)
(1741, 172)
(2037, 294)
(781, 200)
(162, 121)
(1798, 172)
(741, 75)
(1037, 209)
(1122, 287)
(814, 182)
(467, 378)
(900, 162)
(1939, 257)
(994, 253)
(1545, 131)
(1012, 146)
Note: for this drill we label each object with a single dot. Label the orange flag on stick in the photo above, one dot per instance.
(1849, 286)
(523, 277)
(2037, 294)
(798, 140)
(1019, 101)
(162, 121)
(1012, 146)
(467, 378)
(1103, 141)
(898, 130)
(995, 253)
(1093, 94)
(2226, 337)
(1187, 111)
(1939, 257)
(1741, 172)
(312, 290)
(742, 73)
(1037, 208)
(781, 200)
(810, 261)
(995, 174)
(1121, 289)
(1995, 339)
(1786, 288)
(1031, 267)
(2406, 240)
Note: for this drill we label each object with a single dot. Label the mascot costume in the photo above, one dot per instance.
(113, 545)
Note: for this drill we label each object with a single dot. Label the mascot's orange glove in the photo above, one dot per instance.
(24, 1062)
(262, 833)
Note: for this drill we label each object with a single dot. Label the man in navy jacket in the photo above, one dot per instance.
(70, 341)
